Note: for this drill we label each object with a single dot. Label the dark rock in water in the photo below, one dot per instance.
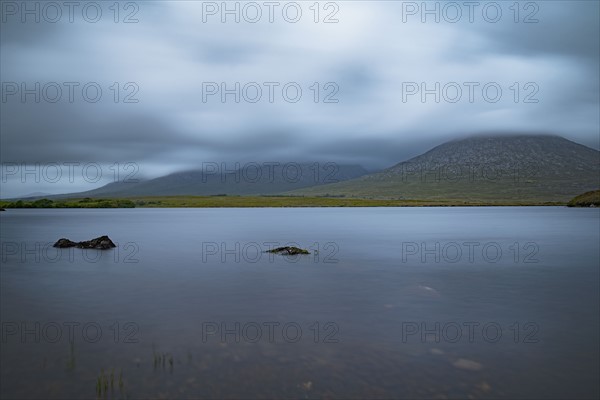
(64, 243)
(2, 209)
(288, 251)
(99, 243)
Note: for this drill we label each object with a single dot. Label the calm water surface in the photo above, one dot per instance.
(391, 302)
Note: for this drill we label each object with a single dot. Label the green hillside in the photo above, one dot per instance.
(588, 199)
(522, 168)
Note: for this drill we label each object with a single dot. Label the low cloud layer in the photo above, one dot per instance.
(362, 80)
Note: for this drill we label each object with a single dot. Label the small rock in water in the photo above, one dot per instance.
(64, 243)
(484, 387)
(436, 351)
(99, 243)
(468, 365)
(288, 251)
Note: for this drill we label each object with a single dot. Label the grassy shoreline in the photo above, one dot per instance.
(257, 202)
(587, 199)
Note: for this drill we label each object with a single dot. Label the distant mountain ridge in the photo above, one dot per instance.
(249, 179)
(487, 168)
(514, 169)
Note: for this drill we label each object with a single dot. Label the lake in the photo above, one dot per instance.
(392, 302)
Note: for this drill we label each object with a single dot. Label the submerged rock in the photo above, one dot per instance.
(99, 243)
(288, 251)
(468, 365)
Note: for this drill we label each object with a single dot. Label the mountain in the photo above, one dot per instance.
(251, 179)
(508, 168)
(36, 195)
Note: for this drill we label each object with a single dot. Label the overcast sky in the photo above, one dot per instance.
(372, 61)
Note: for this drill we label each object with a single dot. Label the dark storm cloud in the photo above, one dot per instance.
(127, 137)
(568, 33)
(360, 151)
(77, 137)
(368, 56)
(570, 30)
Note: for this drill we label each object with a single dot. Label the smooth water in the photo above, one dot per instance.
(394, 302)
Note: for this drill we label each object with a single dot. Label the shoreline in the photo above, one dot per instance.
(261, 202)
